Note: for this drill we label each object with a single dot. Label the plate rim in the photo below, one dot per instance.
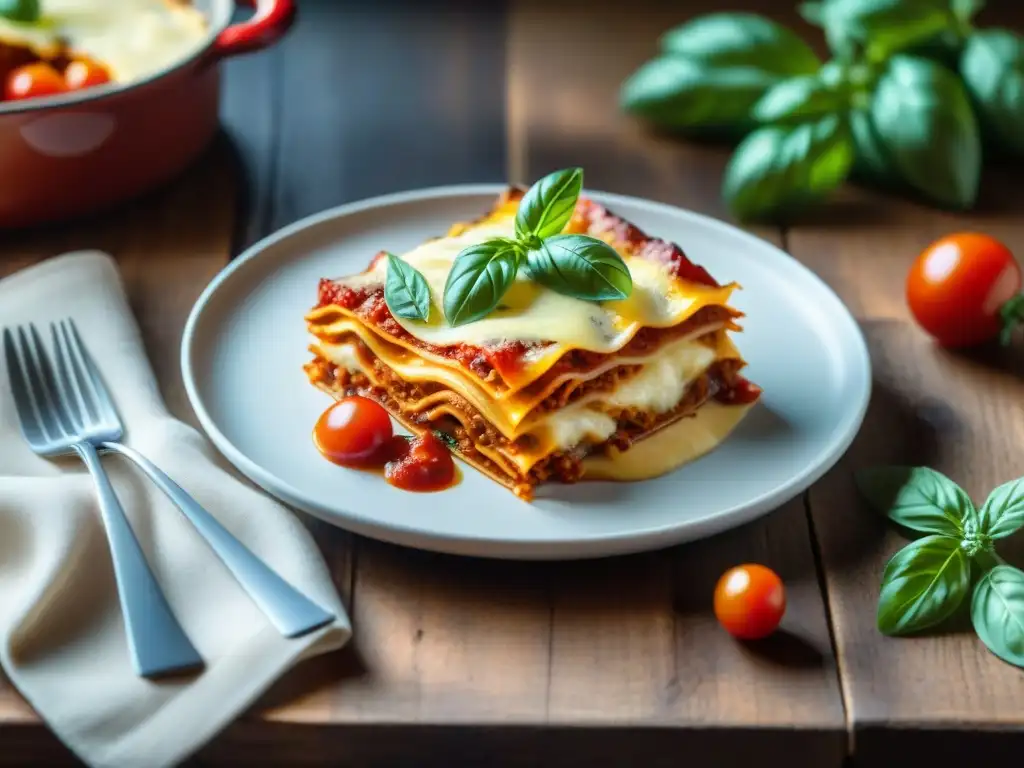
(585, 546)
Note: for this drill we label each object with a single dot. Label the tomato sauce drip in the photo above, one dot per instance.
(356, 432)
(741, 391)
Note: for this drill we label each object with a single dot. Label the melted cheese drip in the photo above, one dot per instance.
(131, 38)
(530, 312)
(669, 448)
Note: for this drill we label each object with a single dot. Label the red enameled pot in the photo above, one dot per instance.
(70, 155)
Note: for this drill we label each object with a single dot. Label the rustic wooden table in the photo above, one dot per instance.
(616, 662)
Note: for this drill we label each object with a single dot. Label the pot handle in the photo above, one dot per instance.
(270, 21)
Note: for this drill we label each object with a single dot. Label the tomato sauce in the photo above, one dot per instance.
(356, 432)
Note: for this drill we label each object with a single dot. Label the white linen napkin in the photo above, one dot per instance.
(62, 641)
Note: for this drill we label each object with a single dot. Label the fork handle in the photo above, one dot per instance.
(291, 612)
(156, 641)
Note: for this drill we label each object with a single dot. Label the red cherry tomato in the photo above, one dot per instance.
(85, 73)
(353, 432)
(964, 289)
(33, 81)
(750, 601)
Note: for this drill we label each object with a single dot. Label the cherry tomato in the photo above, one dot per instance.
(85, 73)
(964, 289)
(353, 432)
(750, 601)
(33, 81)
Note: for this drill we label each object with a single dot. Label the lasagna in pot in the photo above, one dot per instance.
(546, 385)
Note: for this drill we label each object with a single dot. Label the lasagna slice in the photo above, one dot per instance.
(529, 392)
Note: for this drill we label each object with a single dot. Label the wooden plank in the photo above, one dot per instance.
(633, 639)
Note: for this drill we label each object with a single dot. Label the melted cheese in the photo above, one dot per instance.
(529, 312)
(668, 448)
(131, 38)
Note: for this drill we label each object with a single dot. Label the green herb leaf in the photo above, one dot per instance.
(680, 94)
(580, 266)
(883, 27)
(741, 40)
(24, 11)
(918, 498)
(927, 126)
(549, 204)
(923, 585)
(997, 612)
(965, 10)
(481, 274)
(449, 440)
(871, 162)
(992, 67)
(1003, 510)
(797, 99)
(779, 168)
(406, 291)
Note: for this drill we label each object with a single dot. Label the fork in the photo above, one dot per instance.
(52, 423)
(291, 612)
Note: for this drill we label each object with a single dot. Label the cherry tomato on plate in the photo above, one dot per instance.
(749, 601)
(964, 289)
(33, 81)
(353, 432)
(85, 73)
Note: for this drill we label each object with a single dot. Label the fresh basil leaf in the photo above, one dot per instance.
(406, 291)
(741, 40)
(1003, 510)
(883, 27)
(812, 12)
(779, 168)
(797, 99)
(481, 274)
(927, 126)
(680, 94)
(918, 498)
(923, 585)
(450, 441)
(965, 10)
(549, 204)
(24, 11)
(997, 612)
(580, 266)
(992, 67)
(871, 163)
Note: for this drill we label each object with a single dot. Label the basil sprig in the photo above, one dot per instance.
(915, 87)
(24, 11)
(928, 580)
(580, 266)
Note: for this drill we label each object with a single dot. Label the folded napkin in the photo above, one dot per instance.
(62, 641)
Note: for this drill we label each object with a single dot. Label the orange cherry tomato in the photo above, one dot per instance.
(85, 73)
(964, 289)
(750, 601)
(33, 81)
(354, 432)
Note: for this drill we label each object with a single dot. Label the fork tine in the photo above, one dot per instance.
(68, 391)
(23, 404)
(78, 379)
(46, 408)
(104, 402)
(43, 360)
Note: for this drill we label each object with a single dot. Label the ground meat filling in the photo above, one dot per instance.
(396, 394)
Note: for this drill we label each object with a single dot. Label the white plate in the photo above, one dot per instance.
(245, 343)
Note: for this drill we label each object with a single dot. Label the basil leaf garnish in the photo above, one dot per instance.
(741, 40)
(927, 126)
(689, 95)
(918, 498)
(796, 99)
(778, 168)
(580, 266)
(870, 161)
(992, 67)
(923, 585)
(880, 27)
(481, 274)
(997, 612)
(406, 291)
(1003, 510)
(24, 11)
(549, 204)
